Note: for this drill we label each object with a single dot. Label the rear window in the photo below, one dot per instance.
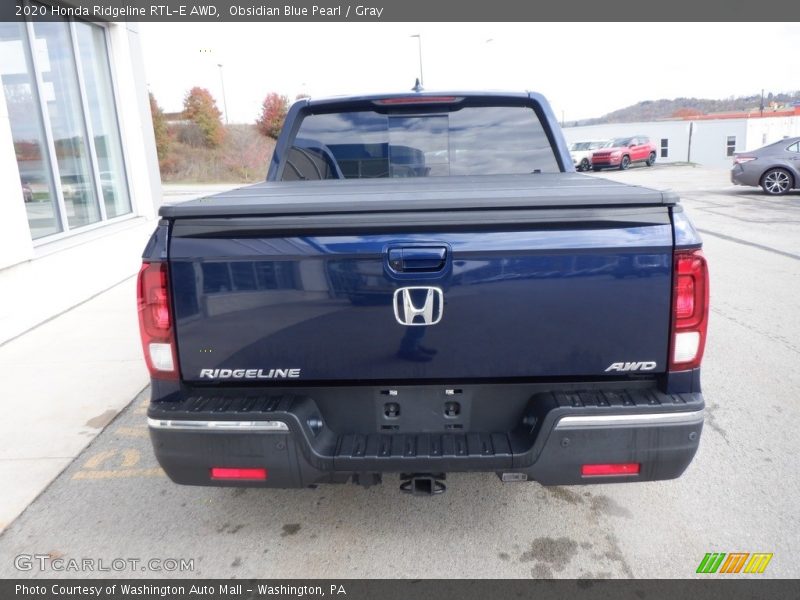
(473, 140)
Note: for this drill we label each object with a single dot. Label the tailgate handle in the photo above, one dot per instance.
(418, 260)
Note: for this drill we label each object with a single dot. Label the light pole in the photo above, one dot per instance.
(419, 45)
(224, 101)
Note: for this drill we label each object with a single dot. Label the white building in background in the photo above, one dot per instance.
(78, 167)
(709, 140)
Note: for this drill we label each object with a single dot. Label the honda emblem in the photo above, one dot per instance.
(415, 306)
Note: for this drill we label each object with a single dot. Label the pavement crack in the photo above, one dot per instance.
(748, 324)
(711, 421)
(737, 240)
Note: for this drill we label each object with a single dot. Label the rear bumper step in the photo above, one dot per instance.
(445, 452)
(557, 433)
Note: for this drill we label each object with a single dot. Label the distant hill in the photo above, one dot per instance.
(653, 110)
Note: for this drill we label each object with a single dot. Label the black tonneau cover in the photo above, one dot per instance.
(545, 190)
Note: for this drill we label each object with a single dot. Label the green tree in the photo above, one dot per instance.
(163, 141)
(200, 108)
(273, 113)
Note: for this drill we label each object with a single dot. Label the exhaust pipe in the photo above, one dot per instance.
(423, 484)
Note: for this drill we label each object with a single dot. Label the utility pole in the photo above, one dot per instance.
(224, 101)
(419, 46)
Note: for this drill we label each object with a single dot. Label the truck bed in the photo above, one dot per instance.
(496, 192)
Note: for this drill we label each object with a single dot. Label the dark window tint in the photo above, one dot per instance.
(474, 140)
(664, 147)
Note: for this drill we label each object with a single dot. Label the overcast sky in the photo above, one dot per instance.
(584, 69)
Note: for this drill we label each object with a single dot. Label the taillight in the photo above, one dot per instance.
(690, 310)
(743, 159)
(155, 321)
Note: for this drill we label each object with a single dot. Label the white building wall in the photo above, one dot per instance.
(709, 137)
(761, 132)
(43, 279)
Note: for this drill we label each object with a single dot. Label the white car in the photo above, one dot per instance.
(581, 153)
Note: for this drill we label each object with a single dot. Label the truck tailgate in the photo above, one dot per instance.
(518, 293)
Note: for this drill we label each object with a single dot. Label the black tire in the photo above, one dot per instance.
(625, 163)
(584, 166)
(776, 182)
(651, 160)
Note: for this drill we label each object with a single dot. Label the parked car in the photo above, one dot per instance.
(775, 167)
(621, 152)
(581, 153)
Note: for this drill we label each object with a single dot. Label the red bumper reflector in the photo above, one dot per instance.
(226, 473)
(610, 469)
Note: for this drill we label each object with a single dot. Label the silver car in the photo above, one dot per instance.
(776, 167)
(581, 153)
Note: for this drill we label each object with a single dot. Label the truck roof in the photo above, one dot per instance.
(486, 192)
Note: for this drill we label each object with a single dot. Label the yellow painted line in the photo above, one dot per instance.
(137, 432)
(130, 458)
(120, 474)
(98, 459)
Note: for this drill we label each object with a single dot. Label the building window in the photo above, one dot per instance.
(731, 145)
(57, 83)
(103, 118)
(664, 148)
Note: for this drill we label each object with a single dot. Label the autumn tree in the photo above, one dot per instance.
(246, 153)
(161, 132)
(685, 113)
(273, 113)
(200, 108)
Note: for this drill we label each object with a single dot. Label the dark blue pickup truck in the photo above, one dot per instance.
(424, 286)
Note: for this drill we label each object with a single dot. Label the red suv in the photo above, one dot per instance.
(624, 151)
